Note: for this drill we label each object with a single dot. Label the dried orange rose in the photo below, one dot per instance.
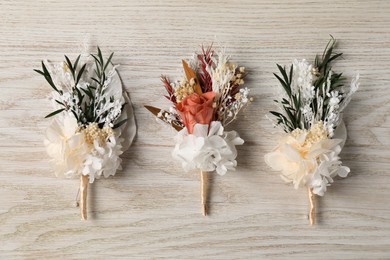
(195, 109)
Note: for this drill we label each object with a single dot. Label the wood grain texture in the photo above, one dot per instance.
(152, 208)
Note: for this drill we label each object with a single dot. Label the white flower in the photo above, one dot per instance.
(194, 62)
(73, 155)
(331, 122)
(103, 159)
(308, 158)
(307, 112)
(244, 92)
(334, 99)
(302, 79)
(222, 72)
(353, 88)
(207, 150)
(329, 167)
(65, 145)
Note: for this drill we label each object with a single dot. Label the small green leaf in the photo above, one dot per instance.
(55, 112)
(96, 59)
(75, 115)
(120, 123)
(48, 77)
(100, 56)
(79, 94)
(285, 101)
(70, 66)
(335, 57)
(284, 85)
(88, 92)
(291, 117)
(282, 119)
(108, 61)
(59, 102)
(40, 72)
(97, 70)
(96, 80)
(284, 74)
(80, 73)
(76, 62)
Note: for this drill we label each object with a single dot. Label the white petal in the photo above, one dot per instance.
(343, 171)
(70, 126)
(275, 160)
(216, 128)
(200, 130)
(291, 153)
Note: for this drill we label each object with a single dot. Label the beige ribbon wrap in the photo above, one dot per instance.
(203, 191)
(83, 196)
(312, 206)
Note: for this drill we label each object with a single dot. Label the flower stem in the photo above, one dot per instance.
(83, 194)
(203, 189)
(312, 206)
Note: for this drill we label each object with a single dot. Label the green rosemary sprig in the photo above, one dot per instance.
(85, 99)
(291, 115)
(324, 69)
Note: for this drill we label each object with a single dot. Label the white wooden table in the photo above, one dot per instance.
(151, 209)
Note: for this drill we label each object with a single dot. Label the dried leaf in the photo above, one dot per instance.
(191, 74)
(155, 111)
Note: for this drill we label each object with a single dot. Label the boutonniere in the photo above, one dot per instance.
(208, 98)
(93, 121)
(310, 113)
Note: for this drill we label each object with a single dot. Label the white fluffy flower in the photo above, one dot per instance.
(207, 150)
(308, 158)
(65, 145)
(72, 153)
(328, 168)
(103, 159)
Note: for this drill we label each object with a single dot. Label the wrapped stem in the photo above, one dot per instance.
(203, 189)
(83, 196)
(312, 206)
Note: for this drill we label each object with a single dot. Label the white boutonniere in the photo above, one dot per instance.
(310, 113)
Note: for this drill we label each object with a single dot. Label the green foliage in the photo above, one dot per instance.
(324, 69)
(291, 115)
(86, 95)
(55, 112)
